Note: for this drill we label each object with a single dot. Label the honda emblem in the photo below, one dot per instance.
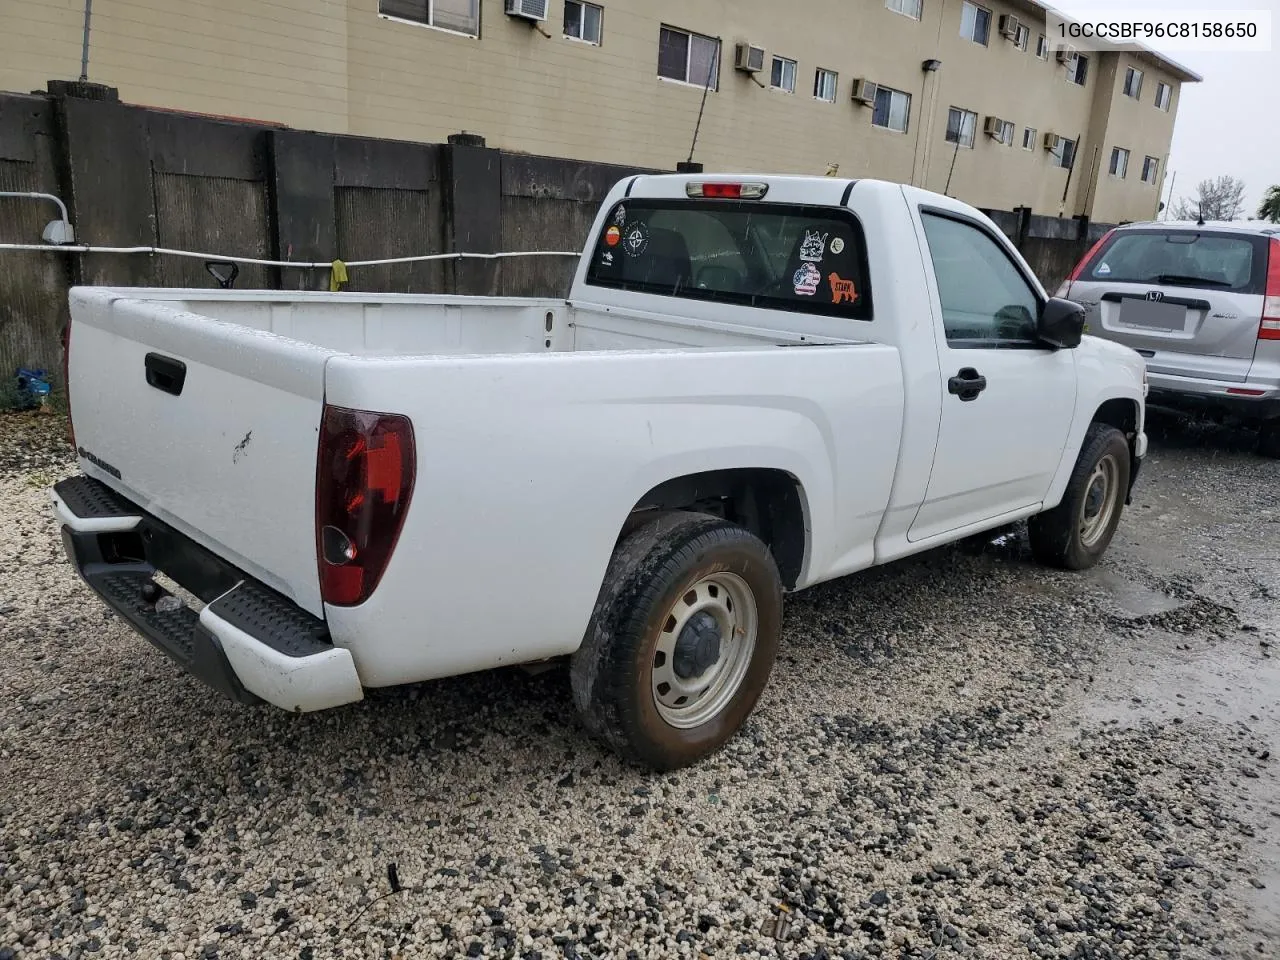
(1155, 295)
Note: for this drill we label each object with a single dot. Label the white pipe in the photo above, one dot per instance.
(28, 195)
(300, 264)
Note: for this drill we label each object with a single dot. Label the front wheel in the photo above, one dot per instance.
(681, 642)
(1075, 534)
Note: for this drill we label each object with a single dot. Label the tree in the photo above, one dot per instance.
(1220, 199)
(1270, 209)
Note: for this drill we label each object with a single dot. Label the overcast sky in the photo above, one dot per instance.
(1229, 123)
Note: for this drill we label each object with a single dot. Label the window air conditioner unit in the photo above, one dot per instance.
(864, 92)
(993, 127)
(535, 10)
(749, 59)
(1009, 25)
(1066, 53)
(1052, 141)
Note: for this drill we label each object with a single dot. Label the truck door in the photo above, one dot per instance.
(1007, 399)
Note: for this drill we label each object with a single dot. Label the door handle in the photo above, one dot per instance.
(165, 373)
(967, 384)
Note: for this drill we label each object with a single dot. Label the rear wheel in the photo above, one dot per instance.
(1075, 534)
(681, 642)
(1269, 439)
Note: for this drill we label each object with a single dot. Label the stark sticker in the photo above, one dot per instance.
(814, 246)
(607, 258)
(637, 241)
(837, 246)
(842, 290)
(612, 236)
(806, 280)
(620, 216)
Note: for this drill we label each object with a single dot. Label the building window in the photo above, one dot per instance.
(582, 21)
(1133, 83)
(892, 110)
(1150, 170)
(1064, 155)
(1164, 96)
(1029, 138)
(689, 58)
(784, 75)
(908, 8)
(1042, 47)
(460, 16)
(975, 23)
(1006, 132)
(1119, 162)
(825, 83)
(1022, 37)
(961, 126)
(1078, 69)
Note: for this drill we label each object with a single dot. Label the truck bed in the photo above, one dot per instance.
(204, 408)
(390, 325)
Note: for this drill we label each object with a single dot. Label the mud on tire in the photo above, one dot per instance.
(1075, 534)
(681, 641)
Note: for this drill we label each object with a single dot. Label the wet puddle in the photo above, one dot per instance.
(1227, 684)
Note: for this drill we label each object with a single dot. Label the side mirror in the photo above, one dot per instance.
(1061, 323)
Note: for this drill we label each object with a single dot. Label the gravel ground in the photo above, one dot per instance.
(959, 755)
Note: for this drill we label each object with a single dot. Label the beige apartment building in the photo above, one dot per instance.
(957, 96)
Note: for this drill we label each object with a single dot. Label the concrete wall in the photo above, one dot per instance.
(33, 293)
(339, 66)
(1052, 246)
(137, 177)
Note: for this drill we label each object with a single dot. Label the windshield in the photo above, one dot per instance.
(777, 256)
(1180, 258)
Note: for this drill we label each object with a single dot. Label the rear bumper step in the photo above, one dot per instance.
(248, 643)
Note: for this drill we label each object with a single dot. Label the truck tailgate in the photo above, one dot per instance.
(209, 426)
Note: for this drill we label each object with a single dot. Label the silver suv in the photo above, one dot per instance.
(1201, 301)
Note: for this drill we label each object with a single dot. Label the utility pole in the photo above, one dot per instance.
(1168, 204)
(84, 47)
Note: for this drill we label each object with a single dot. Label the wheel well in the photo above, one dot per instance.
(1121, 414)
(766, 502)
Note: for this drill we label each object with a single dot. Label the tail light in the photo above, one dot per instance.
(66, 378)
(726, 191)
(1270, 328)
(364, 481)
(1075, 274)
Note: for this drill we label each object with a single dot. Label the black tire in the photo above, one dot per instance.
(1269, 439)
(1056, 535)
(654, 569)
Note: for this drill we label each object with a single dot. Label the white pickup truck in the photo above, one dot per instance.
(757, 384)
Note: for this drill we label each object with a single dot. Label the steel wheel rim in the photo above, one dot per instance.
(690, 701)
(1099, 506)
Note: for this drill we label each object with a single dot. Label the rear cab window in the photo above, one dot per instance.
(1231, 262)
(748, 253)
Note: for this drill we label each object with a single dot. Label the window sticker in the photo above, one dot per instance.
(637, 240)
(842, 291)
(814, 246)
(806, 280)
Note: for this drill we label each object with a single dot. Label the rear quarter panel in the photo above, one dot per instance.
(528, 468)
